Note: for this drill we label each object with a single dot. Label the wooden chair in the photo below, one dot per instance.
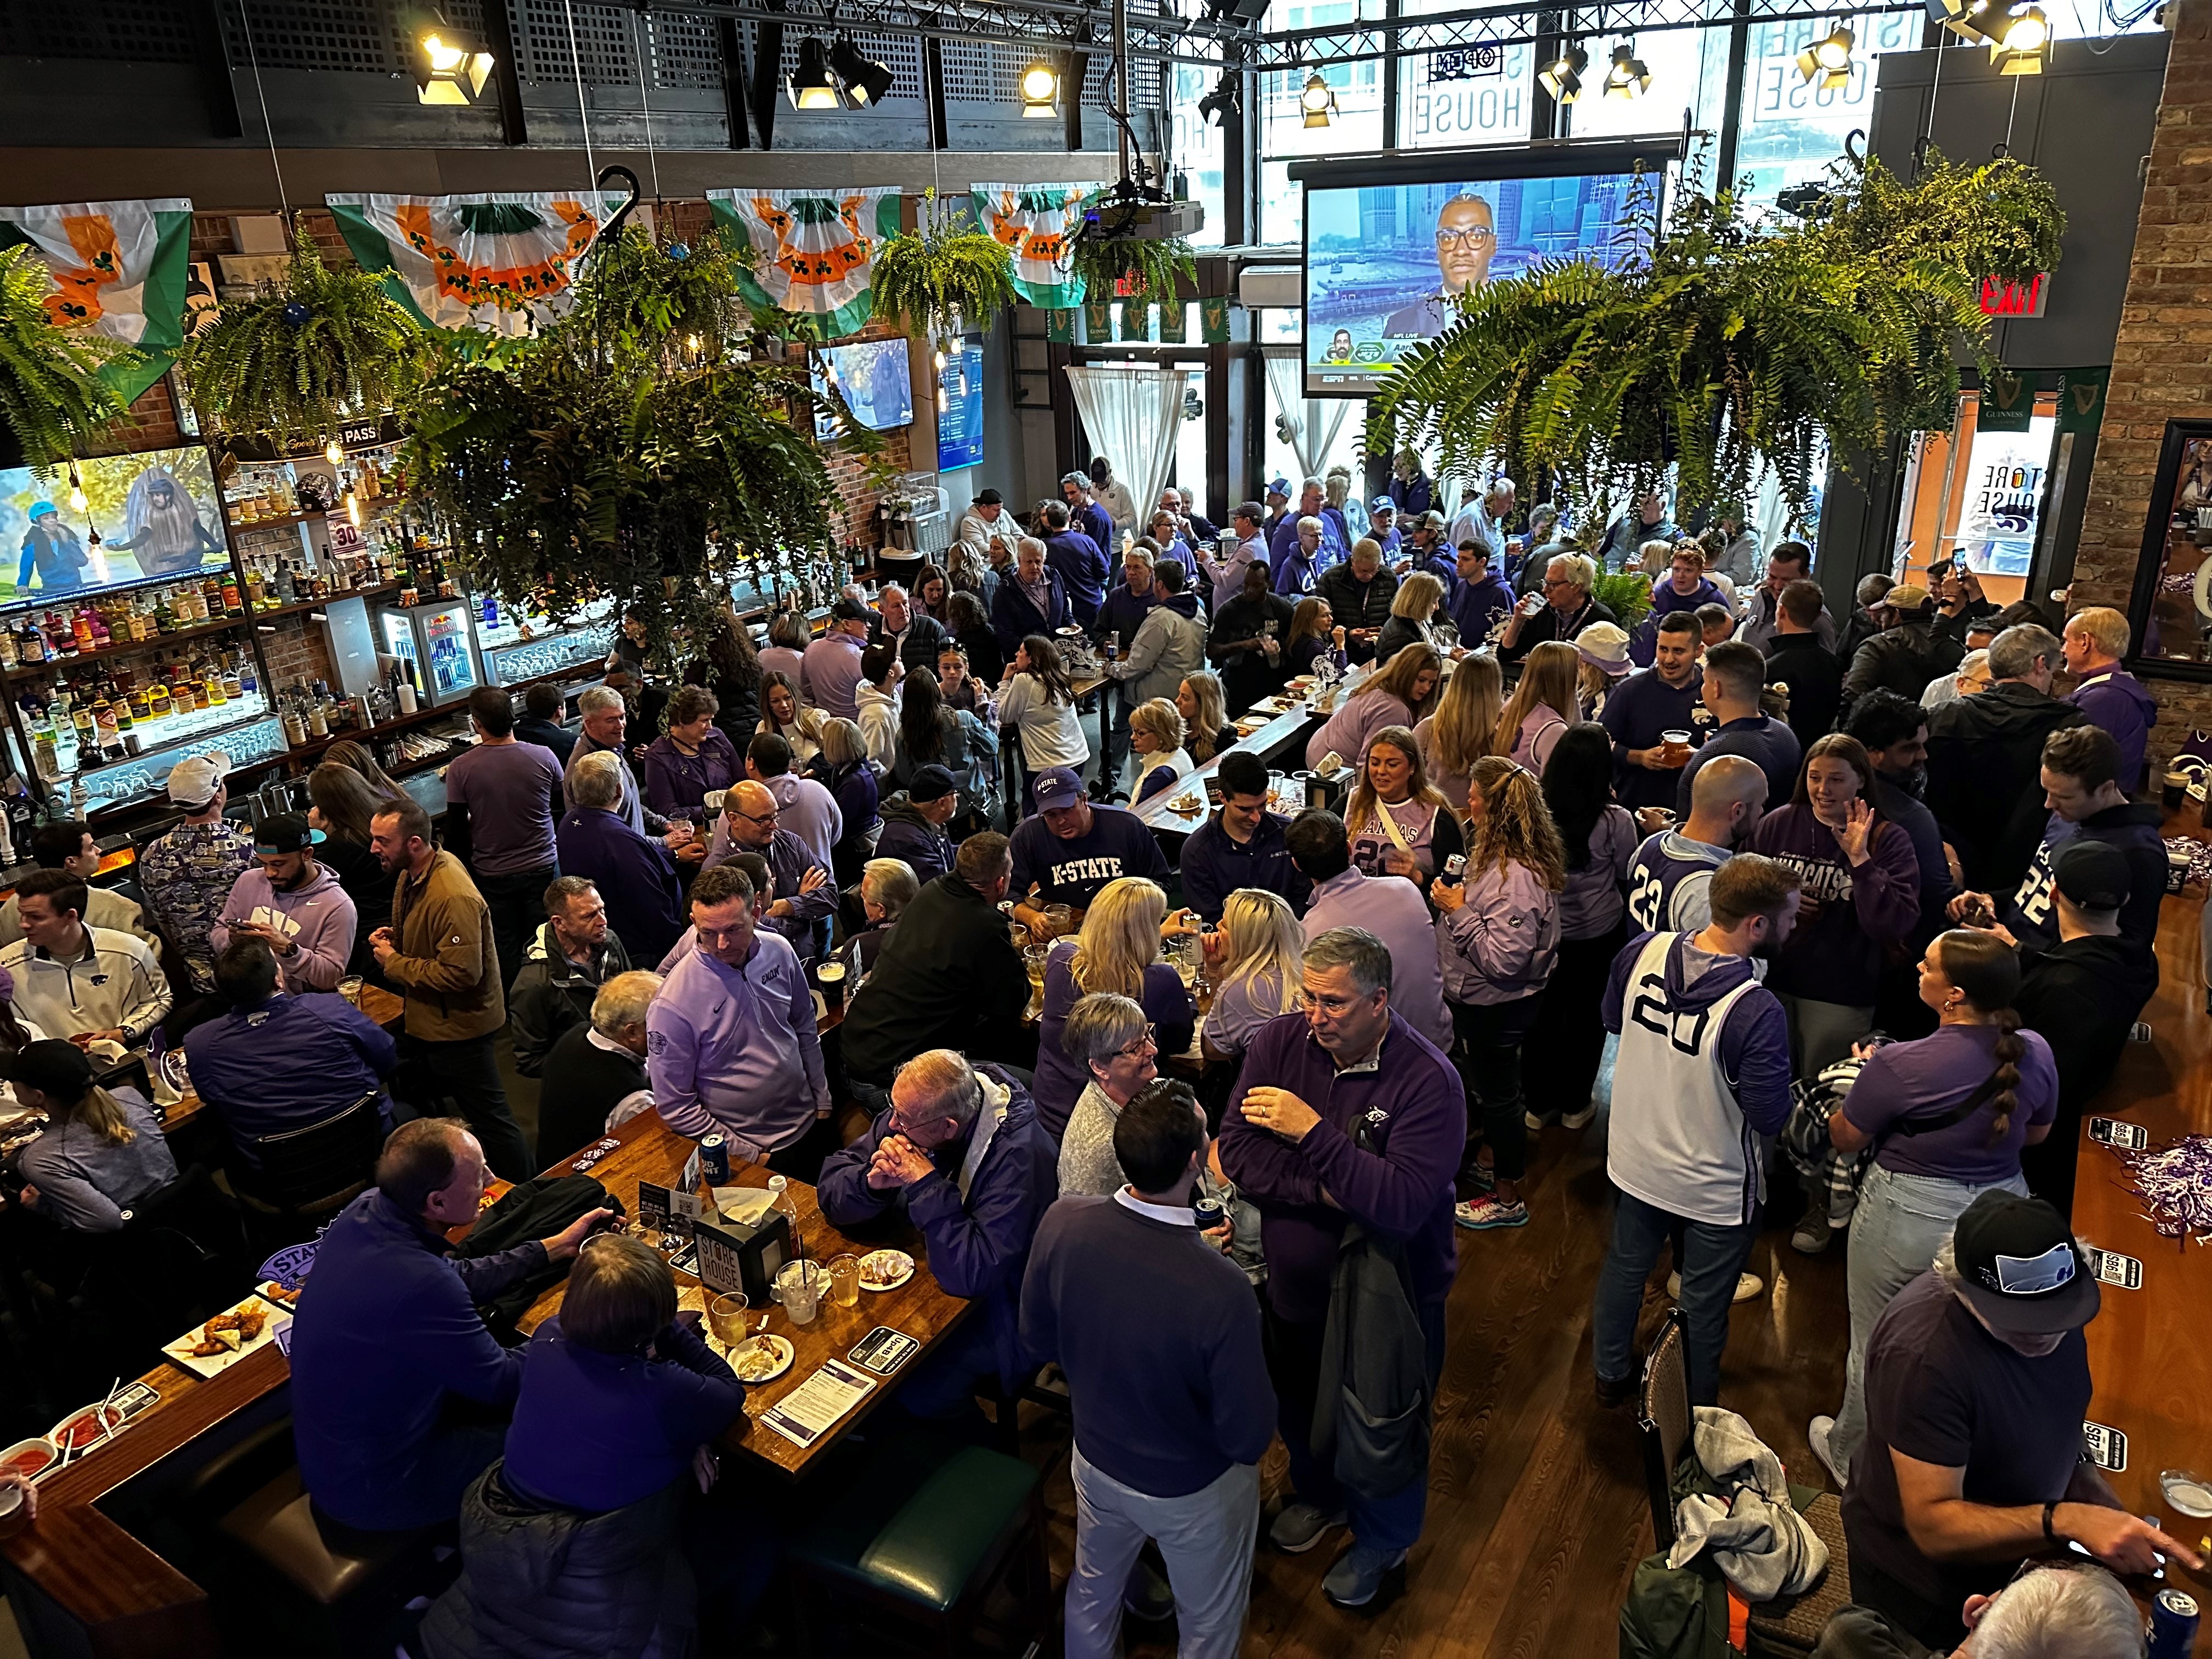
(927, 1535)
(1788, 1625)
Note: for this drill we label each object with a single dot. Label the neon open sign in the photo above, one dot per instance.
(2001, 298)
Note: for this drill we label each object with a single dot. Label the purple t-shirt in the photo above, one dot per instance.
(509, 789)
(1935, 1075)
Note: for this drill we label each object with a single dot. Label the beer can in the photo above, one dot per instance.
(2173, 1624)
(1208, 1213)
(714, 1159)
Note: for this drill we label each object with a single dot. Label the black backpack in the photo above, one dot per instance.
(535, 1209)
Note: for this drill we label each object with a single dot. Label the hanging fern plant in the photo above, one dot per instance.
(321, 347)
(1724, 351)
(1626, 593)
(52, 393)
(1152, 267)
(937, 279)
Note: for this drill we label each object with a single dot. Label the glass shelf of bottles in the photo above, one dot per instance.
(86, 716)
(134, 779)
(264, 495)
(33, 641)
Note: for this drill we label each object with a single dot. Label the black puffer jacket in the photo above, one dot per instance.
(1902, 659)
(540, 1584)
(1985, 778)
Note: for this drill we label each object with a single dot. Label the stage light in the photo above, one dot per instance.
(451, 66)
(1563, 76)
(1630, 77)
(867, 83)
(1217, 106)
(1318, 100)
(1967, 19)
(2017, 40)
(1040, 90)
(1828, 61)
(811, 86)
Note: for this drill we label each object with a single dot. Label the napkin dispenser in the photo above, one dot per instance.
(743, 1255)
(1324, 787)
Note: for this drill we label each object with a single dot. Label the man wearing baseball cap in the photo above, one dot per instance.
(987, 520)
(1074, 847)
(1907, 653)
(293, 904)
(830, 670)
(1383, 525)
(915, 819)
(2082, 995)
(187, 874)
(1978, 1385)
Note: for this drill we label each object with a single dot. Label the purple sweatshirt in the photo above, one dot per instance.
(1837, 957)
(1593, 903)
(737, 1049)
(316, 916)
(1502, 943)
(1353, 727)
(1392, 908)
(1414, 1105)
(2115, 700)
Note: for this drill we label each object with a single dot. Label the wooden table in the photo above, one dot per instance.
(379, 1003)
(650, 1150)
(2150, 1350)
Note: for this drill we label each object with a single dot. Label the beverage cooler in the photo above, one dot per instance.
(437, 642)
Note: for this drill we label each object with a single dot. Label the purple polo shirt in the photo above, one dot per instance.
(1392, 908)
(808, 810)
(830, 675)
(736, 1049)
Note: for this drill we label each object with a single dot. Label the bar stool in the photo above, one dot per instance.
(927, 1532)
(334, 1569)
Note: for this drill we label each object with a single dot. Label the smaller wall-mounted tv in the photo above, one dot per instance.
(153, 516)
(872, 375)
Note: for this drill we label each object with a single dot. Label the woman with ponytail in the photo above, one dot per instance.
(1947, 1115)
(101, 1150)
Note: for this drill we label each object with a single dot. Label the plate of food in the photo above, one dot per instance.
(762, 1359)
(30, 1458)
(885, 1270)
(288, 1300)
(228, 1338)
(1187, 808)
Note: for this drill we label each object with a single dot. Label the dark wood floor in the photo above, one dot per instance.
(1537, 1514)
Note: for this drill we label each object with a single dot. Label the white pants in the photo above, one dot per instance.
(1207, 1539)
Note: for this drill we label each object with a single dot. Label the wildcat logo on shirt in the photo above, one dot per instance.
(1817, 878)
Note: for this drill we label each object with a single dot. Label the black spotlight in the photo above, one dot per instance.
(867, 83)
(1220, 105)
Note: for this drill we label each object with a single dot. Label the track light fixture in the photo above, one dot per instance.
(1828, 61)
(2017, 40)
(1222, 103)
(812, 85)
(1630, 77)
(1562, 78)
(1318, 100)
(1040, 90)
(867, 83)
(451, 66)
(1967, 19)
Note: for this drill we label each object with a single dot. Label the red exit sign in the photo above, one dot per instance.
(2003, 299)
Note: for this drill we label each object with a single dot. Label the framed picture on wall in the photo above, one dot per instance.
(2171, 611)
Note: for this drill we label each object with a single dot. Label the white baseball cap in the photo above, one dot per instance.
(193, 781)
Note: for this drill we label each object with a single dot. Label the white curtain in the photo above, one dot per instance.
(1314, 421)
(1132, 418)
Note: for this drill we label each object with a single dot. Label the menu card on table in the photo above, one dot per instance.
(809, 1410)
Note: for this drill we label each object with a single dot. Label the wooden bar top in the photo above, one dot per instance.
(1274, 734)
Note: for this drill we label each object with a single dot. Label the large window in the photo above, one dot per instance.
(1791, 131)
(1689, 71)
(1284, 135)
(1480, 94)
(1195, 147)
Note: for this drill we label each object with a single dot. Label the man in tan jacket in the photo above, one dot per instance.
(439, 953)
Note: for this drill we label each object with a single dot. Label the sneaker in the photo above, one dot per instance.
(1812, 1236)
(1147, 1595)
(1580, 1119)
(1299, 1526)
(1483, 1177)
(1357, 1575)
(1613, 1391)
(1480, 1214)
(1818, 1433)
(1747, 1285)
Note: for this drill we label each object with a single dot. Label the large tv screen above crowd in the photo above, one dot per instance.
(147, 517)
(1386, 260)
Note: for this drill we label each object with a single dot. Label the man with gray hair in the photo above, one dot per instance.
(1566, 611)
(1109, 1037)
(606, 720)
(915, 634)
(960, 1154)
(1380, 1149)
(1084, 512)
(1978, 1382)
(1985, 759)
(595, 1077)
(633, 872)
(887, 886)
(2053, 1610)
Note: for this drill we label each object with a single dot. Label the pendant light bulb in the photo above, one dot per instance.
(332, 453)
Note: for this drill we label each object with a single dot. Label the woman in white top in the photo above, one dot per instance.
(783, 713)
(1155, 735)
(1459, 732)
(1256, 960)
(1038, 701)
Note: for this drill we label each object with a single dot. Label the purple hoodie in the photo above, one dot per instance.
(1353, 726)
(2115, 700)
(1838, 955)
(317, 916)
(1502, 943)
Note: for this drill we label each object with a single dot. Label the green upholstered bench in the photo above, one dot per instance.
(925, 1530)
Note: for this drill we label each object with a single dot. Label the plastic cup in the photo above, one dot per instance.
(798, 1286)
(845, 1280)
(1678, 747)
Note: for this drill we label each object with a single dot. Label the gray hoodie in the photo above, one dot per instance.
(316, 916)
(1169, 647)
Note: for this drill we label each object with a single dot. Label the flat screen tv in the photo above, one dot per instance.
(155, 516)
(1387, 252)
(873, 377)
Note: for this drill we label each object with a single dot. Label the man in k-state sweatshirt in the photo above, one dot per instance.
(1159, 1336)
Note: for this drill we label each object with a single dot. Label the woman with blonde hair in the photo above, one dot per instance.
(1399, 824)
(1543, 705)
(1420, 594)
(1464, 727)
(1156, 735)
(1254, 960)
(1116, 950)
(1397, 694)
(102, 1150)
(1498, 943)
(783, 713)
(843, 768)
(1204, 707)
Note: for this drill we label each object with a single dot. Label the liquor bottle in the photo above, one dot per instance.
(249, 679)
(232, 605)
(158, 703)
(233, 689)
(80, 631)
(102, 636)
(210, 596)
(31, 643)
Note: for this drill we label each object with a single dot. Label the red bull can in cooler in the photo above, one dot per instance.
(2173, 1624)
(714, 1160)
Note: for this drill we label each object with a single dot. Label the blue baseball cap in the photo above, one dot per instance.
(1057, 786)
(1382, 504)
(1280, 487)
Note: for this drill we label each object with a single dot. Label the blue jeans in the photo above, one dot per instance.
(1711, 1259)
(1391, 1522)
(1900, 1222)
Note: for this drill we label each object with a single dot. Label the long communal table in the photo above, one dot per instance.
(1179, 810)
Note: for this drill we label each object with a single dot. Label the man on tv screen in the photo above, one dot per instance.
(1466, 240)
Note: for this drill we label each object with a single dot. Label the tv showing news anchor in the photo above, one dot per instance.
(1386, 261)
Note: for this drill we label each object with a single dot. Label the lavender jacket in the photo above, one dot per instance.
(1502, 942)
(1353, 727)
(1414, 1105)
(317, 917)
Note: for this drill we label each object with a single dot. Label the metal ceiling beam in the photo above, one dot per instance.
(1030, 26)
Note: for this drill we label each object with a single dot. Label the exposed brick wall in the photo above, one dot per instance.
(2162, 363)
(297, 651)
